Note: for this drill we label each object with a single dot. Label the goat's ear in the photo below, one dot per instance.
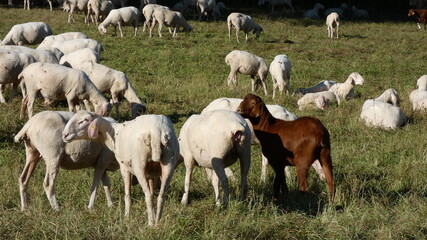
(92, 131)
(256, 110)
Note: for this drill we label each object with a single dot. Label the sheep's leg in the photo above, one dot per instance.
(160, 29)
(189, 165)
(13, 92)
(274, 86)
(229, 30)
(264, 168)
(246, 37)
(318, 168)
(135, 27)
(50, 5)
(253, 81)
(215, 183)
(31, 162)
(30, 104)
(23, 106)
(152, 27)
(146, 23)
(100, 173)
(167, 173)
(264, 86)
(106, 183)
(245, 161)
(237, 34)
(2, 87)
(127, 182)
(149, 196)
(218, 167)
(49, 182)
(337, 32)
(174, 32)
(120, 29)
(232, 77)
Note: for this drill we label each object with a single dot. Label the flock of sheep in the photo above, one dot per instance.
(66, 67)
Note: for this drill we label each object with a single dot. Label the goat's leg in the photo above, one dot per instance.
(279, 186)
(31, 161)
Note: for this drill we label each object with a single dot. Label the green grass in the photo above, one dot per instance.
(381, 187)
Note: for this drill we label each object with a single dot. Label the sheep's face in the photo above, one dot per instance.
(257, 32)
(78, 126)
(102, 29)
(358, 79)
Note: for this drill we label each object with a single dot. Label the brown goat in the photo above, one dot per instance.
(289, 143)
(420, 14)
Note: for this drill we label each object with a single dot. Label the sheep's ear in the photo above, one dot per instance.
(92, 131)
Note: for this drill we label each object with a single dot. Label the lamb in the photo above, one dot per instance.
(99, 9)
(27, 33)
(79, 56)
(280, 70)
(42, 137)
(343, 7)
(114, 82)
(39, 55)
(232, 141)
(418, 97)
(119, 17)
(318, 99)
(314, 12)
(49, 40)
(248, 64)
(56, 82)
(76, 5)
(381, 114)
(323, 85)
(206, 7)
(345, 91)
(333, 22)
(72, 45)
(286, 143)
(12, 63)
(171, 19)
(145, 147)
(421, 15)
(148, 11)
(274, 3)
(359, 13)
(242, 22)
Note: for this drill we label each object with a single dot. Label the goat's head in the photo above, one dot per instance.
(252, 106)
(411, 12)
(83, 125)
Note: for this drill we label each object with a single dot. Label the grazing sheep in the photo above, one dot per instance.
(289, 143)
(145, 147)
(333, 22)
(78, 57)
(318, 99)
(280, 70)
(343, 7)
(12, 63)
(170, 19)
(27, 33)
(359, 13)
(54, 51)
(206, 7)
(242, 22)
(345, 91)
(206, 143)
(39, 55)
(49, 40)
(314, 12)
(148, 11)
(323, 85)
(274, 3)
(381, 114)
(119, 17)
(56, 82)
(98, 8)
(42, 137)
(70, 46)
(418, 97)
(421, 15)
(248, 64)
(114, 82)
(76, 5)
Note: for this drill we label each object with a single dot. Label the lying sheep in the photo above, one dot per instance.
(12, 63)
(114, 82)
(76, 5)
(215, 140)
(70, 46)
(318, 99)
(333, 22)
(78, 57)
(345, 91)
(148, 11)
(170, 19)
(42, 137)
(381, 114)
(418, 97)
(242, 22)
(248, 64)
(27, 33)
(280, 70)
(49, 40)
(56, 82)
(145, 147)
(119, 17)
(39, 55)
(98, 9)
(314, 12)
(323, 85)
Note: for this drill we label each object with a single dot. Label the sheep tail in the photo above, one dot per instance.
(22, 134)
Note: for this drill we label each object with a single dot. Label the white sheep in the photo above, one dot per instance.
(39, 55)
(49, 40)
(359, 13)
(42, 137)
(148, 11)
(280, 70)
(52, 50)
(389, 96)
(98, 9)
(343, 7)
(56, 82)
(242, 22)
(72, 45)
(119, 17)
(27, 33)
(76, 5)
(145, 147)
(206, 7)
(215, 140)
(274, 3)
(323, 85)
(314, 12)
(317, 99)
(345, 91)
(248, 64)
(383, 115)
(114, 82)
(418, 97)
(78, 57)
(170, 19)
(333, 23)
(12, 63)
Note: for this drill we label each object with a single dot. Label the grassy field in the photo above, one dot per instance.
(380, 176)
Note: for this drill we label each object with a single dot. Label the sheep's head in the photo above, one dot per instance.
(83, 125)
(102, 29)
(257, 31)
(422, 83)
(358, 79)
(137, 109)
(251, 107)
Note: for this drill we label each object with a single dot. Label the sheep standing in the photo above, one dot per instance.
(314, 12)
(49, 40)
(171, 19)
(145, 147)
(418, 97)
(76, 5)
(333, 22)
(56, 82)
(148, 11)
(99, 9)
(119, 17)
(280, 70)
(214, 140)
(248, 64)
(345, 91)
(27, 33)
(242, 22)
(42, 137)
